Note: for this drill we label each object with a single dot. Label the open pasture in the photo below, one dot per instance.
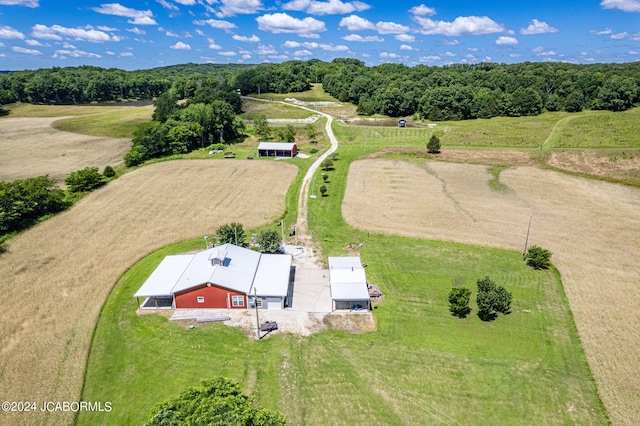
(118, 122)
(592, 227)
(30, 146)
(422, 365)
(254, 109)
(601, 129)
(57, 275)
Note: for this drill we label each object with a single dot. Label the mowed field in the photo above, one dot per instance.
(592, 227)
(57, 275)
(30, 147)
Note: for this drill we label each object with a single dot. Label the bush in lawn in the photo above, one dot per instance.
(459, 298)
(218, 401)
(327, 165)
(323, 190)
(108, 172)
(84, 180)
(269, 240)
(231, 233)
(433, 146)
(538, 258)
(325, 177)
(492, 299)
(313, 151)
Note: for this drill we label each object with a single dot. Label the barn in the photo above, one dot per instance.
(349, 288)
(223, 277)
(277, 149)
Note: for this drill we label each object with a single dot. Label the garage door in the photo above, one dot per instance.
(274, 304)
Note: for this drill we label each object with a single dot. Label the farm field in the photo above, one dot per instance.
(446, 371)
(118, 123)
(592, 227)
(254, 109)
(60, 272)
(30, 147)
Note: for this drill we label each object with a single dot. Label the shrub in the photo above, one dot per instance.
(492, 299)
(459, 298)
(538, 258)
(269, 240)
(84, 180)
(108, 172)
(433, 146)
(313, 151)
(231, 233)
(323, 190)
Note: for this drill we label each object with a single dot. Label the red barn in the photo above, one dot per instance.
(226, 276)
(277, 149)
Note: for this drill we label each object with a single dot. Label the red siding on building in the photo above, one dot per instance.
(214, 297)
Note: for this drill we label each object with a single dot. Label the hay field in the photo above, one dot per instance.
(31, 147)
(57, 275)
(592, 227)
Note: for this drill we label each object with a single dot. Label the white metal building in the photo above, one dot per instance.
(349, 288)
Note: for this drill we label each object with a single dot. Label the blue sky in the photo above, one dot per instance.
(130, 34)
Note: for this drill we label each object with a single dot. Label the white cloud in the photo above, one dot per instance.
(180, 46)
(462, 25)
(331, 7)
(624, 5)
(126, 55)
(299, 53)
(217, 23)
(213, 44)
(406, 47)
(253, 39)
(449, 54)
(238, 7)
(356, 23)
(430, 58)
(313, 45)
(626, 36)
(422, 10)
(391, 28)
(167, 5)
(606, 31)
(359, 38)
(63, 54)
(170, 33)
(57, 32)
(227, 53)
(136, 30)
(186, 2)
(33, 43)
(28, 3)
(538, 27)
(266, 49)
(451, 42)
(388, 55)
(506, 41)
(405, 38)
(138, 17)
(10, 33)
(19, 49)
(281, 23)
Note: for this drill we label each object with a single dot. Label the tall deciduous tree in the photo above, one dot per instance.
(231, 233)
(217, 401)
(269, 240)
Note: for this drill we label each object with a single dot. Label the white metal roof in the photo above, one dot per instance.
(348, 279)
(238, 270)
(162, 280)
(272, 276)
(349, 292)
(279, 146)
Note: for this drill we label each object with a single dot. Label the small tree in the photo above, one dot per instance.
(492, 299)
(262, 127)
(459, 298)
(323, 190)
(312, 133)
(218, 401)
(84, 180)
(108, 172)
(433, 146)
(325, 177)
(269, 240)
(538, 258)
(231, 233)
(288, 134)
(327, 165)
(502, 302)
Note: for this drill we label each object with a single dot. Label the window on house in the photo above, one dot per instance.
(200, 299)
(259, 303)
(237, 300)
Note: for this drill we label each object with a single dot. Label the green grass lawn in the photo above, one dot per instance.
(601, 129)
(316, 93)
(422, 366)
(118, 122)
(254, 109)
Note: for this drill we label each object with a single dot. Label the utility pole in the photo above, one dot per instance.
(255, 302)
(526, 242)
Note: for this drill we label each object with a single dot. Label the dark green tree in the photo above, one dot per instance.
(492, 299)
(323, 190)
(84, 180)
(433, 146)
(288, 134)
(217, 401)
(262, 127)
(574, 101)
(502, 302)
(538, 258)
(108, 172)
(269, 240)
(231, 233)
(459, 298)
(327, 165)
